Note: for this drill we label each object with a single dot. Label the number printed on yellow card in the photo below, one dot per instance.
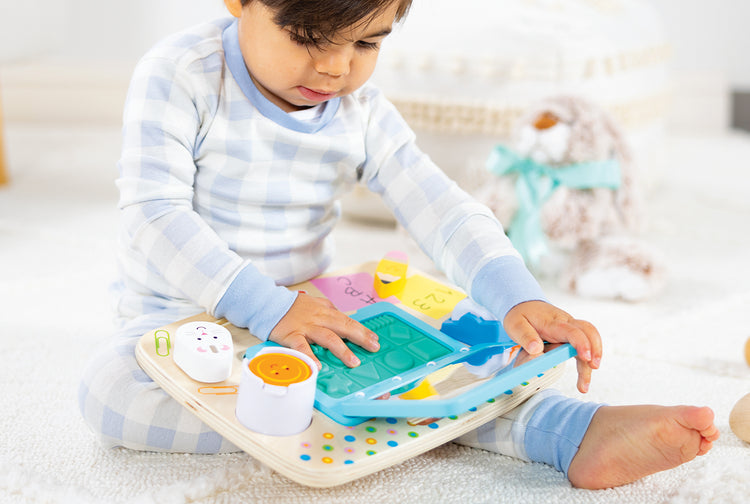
(429, 297)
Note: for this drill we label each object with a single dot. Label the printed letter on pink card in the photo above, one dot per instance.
(350, 292)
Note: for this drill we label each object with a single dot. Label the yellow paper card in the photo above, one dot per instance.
(429, 297)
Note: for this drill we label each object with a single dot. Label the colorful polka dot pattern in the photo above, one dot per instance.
(367, 439)
(334, 446)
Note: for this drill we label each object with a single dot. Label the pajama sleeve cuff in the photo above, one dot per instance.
(503, 283)
(254, 301)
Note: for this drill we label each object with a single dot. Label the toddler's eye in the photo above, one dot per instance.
(303, 40)
(363, 44)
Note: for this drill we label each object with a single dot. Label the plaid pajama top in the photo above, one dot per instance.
(225, 198)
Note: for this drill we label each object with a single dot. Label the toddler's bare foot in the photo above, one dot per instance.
(626, 443)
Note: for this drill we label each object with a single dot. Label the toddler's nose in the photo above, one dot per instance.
(333, 61)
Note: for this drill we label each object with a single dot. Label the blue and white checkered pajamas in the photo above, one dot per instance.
(225, 199)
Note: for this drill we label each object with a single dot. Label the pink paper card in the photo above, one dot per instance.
(350, 292)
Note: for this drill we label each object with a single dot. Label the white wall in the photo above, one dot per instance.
(71, 60)
(710, 37)
(92, 30)
(130, 27)
(30, 28)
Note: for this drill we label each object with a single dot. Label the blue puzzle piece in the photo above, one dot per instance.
(474, 330)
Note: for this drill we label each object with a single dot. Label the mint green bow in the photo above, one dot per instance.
(536, 183)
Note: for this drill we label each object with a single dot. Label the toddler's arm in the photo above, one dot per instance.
(533, 322)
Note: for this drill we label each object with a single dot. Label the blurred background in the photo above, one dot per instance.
(71, 59)
(460, 77)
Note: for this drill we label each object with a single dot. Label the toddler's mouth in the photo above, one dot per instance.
(316, 95)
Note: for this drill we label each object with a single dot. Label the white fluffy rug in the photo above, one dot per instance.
(57, 222)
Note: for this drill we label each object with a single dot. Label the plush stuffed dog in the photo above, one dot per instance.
(567, 196)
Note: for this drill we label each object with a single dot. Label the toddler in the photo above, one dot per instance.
(239, 138)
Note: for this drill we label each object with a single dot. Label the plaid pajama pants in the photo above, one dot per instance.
(124, 407)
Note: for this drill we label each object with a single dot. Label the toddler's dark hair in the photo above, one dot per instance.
(320, 20)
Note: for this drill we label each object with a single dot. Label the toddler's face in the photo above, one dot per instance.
(294, 73)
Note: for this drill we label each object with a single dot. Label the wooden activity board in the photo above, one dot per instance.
(329, 453)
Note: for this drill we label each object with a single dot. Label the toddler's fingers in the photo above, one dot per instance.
(522, 332)
(584, 376)
(594, 340)
(350, 329)
(329, 317)
(570, 331)
(328, 339)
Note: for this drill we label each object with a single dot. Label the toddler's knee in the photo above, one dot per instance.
(95, 390)
(112, 387)
(124, 407)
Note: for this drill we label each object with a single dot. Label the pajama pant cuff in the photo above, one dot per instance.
(556, 430)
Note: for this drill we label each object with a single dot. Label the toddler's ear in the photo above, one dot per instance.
(234, 7)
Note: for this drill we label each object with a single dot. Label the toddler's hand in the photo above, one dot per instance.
(533, 322)
(316, 320)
